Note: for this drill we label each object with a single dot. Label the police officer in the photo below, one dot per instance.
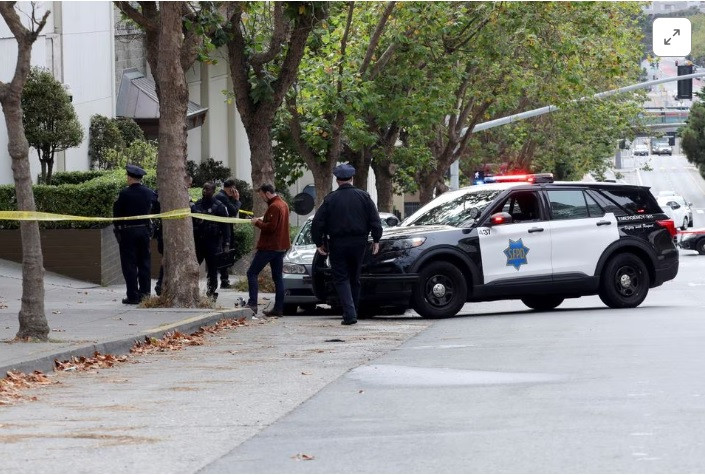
(347, 216)
(210, 235)
(133, 235)
(230, 198)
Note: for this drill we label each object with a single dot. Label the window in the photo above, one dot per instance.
(522, 205)
(568, 204)
(593, 208)
(633, 201)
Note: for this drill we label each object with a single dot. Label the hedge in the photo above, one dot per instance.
(93, 197)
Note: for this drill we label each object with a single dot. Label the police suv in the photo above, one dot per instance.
(534, 240)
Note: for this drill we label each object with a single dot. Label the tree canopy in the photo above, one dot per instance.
(50, 121)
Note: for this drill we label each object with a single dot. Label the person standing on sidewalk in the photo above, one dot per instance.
(273, 243)
(230, 198)
(347, 217)
(211, 236)
(133, 235)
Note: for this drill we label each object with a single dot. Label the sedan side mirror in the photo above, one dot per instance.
(500, 218)
(392, 221)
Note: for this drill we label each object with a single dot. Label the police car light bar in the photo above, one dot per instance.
(529, 177)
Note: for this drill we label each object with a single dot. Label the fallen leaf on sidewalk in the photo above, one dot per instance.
(56, 312)
(301, 456)
(82, 363)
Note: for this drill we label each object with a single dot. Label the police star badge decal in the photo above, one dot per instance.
(516, 254)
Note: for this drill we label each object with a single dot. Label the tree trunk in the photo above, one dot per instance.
(384, 171)
(50, 170)
(33, 322)
(44, 170)
(427, 187)
(322, 179)
(181, 270)
(262, 164)
(361, 161)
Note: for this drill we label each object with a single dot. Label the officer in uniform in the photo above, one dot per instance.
(230, 198)
(347, 217)
(210, 235)
(133, 235)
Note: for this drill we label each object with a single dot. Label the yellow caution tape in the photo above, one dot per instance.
(174, 214)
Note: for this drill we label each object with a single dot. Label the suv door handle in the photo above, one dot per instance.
(536, 230)
(604, 223)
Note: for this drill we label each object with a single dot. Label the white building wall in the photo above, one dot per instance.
(88, 67)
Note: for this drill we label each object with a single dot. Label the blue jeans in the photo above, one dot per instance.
(275, 259)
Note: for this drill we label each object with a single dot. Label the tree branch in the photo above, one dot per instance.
(275, 43)
(374, 40)
(146, 22)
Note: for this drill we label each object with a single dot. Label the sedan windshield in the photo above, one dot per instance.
(452, 208)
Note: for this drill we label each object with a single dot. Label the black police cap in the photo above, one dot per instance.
(135, 171)
(344, 171)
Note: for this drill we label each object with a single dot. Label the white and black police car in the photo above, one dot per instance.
(531, 239)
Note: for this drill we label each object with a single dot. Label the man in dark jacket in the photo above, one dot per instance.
(133, 235)
(347, 217)
(230, 198)
(210, 235)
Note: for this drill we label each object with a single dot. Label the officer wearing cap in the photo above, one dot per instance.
(346, 218)
(133, 235)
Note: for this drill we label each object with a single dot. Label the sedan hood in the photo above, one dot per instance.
(301, 254)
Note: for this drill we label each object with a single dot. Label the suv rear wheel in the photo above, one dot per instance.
(542, 304)
(441, 291)
(624, 282)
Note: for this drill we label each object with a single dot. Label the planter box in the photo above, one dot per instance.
(91, 255)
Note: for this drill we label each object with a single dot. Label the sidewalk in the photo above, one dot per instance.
(85, 318)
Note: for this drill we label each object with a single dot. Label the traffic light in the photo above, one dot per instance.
(685, 86)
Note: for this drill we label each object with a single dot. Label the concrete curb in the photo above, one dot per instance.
(122, 346)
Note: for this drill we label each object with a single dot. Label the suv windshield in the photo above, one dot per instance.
(454, 210)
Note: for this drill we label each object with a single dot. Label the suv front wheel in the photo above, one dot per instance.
(624, 282)
(441, 291)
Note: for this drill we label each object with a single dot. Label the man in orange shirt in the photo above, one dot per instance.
(273, 243)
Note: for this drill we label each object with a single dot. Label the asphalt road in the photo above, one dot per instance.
(666, 172)
(502, 389)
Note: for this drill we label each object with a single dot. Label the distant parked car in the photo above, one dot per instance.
(661, 148)
(677, 212)
(681, 201)
(298, 290)
(641, 149)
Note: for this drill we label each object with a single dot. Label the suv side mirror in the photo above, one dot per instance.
(500, 218)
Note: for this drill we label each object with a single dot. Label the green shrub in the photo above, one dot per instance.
(129, 130)
(103, 135)
(244, 235)
(210, 170)
(74, 178)
(140, 152)
(94, 197)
